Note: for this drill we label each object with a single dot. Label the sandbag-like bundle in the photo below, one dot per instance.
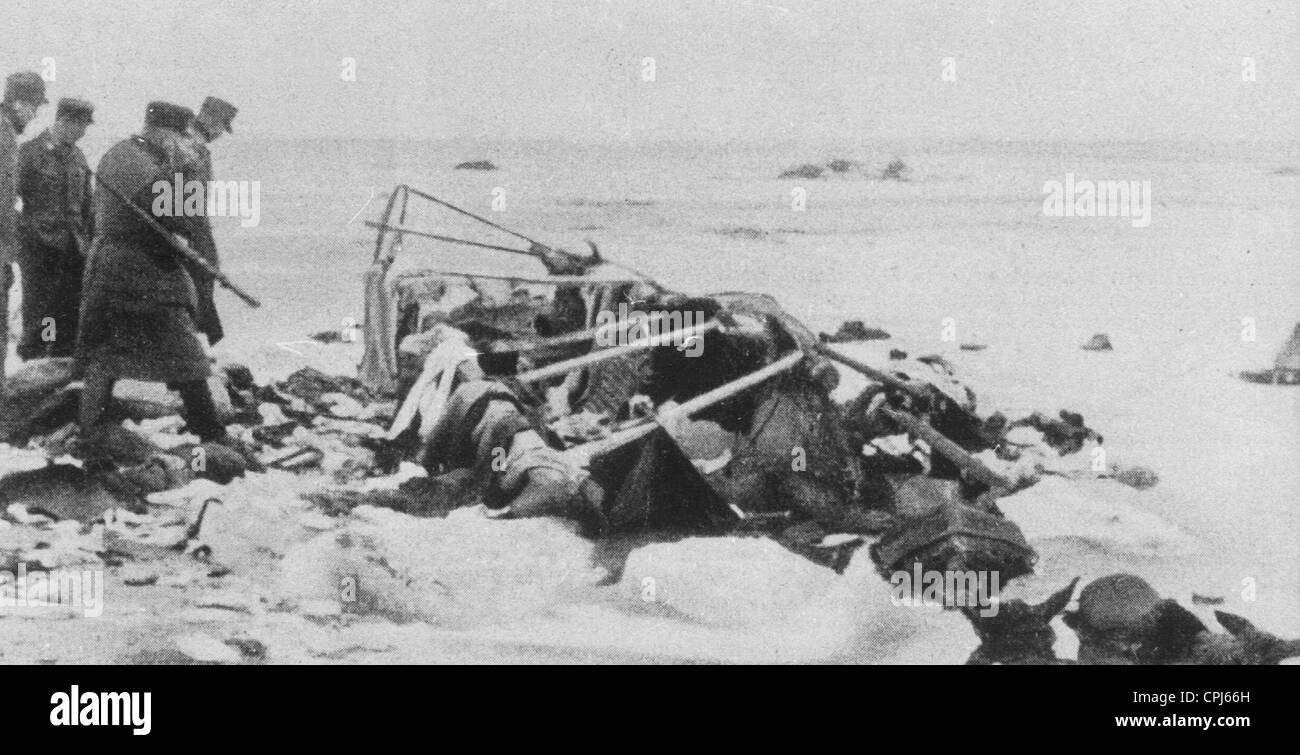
(61, 491)
(32, 389)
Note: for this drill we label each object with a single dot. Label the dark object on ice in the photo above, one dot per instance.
(43, 418)
(499, 363)
(934, 360)
(1115, 602)
(161, 472)
(388, 454)
(476, 165)
(1018, 634)
(895, 171)
(1286, 366)
(1122, 620)
(842, 166)
(1207, 600)
(995, 425)
(1099, 342)
(302, 458)
(418, 496)
(310, 384)
(855, 330)
(806, 539)
(249, 648)
(945, 533)
(652, 485)
(60, 491)
(897, 354)
(240, 378)
(1066, 435)
(807, 170)
(38, 387)
(1268, 377)
(1244, 645)
(1287, 171)
(1138, 478)
(327, 336)
(219, 462)
(192, 532)
(548, 492)
(972, 347)
(274, 435)
(116, 444)
(744, 232)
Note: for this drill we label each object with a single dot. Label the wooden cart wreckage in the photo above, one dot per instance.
(548, 394)
(584, 390)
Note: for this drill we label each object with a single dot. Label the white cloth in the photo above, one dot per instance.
(428, 397)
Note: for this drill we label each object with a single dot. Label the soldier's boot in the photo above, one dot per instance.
(548, 492)
(201, 411)
(96, 394)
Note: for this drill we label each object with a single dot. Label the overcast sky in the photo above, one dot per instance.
(784, 69)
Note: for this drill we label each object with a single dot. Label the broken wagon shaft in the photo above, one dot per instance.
(947, 447)
(569, 365)
(578, 336)
(583, 453)
(449, 239)
(482, 220)
(880, 376)
(183, 249)
(554, 280)
(890, 381)
(536, 249)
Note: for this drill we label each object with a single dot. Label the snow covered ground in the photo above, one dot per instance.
(966, 240)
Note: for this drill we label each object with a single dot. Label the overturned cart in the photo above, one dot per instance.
(545, 382)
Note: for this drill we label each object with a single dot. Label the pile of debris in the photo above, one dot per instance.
(506, 444)
(1286, 365)
(894, 170)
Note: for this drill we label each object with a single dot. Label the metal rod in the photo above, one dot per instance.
(555, 280)
(483, 220)
(880, 376)
(577, 336)
(948, 448)
(580, 454)
(449, 239)
(569, 365)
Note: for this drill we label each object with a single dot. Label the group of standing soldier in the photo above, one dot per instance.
(100, 283)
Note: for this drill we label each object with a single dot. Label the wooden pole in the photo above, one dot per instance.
(947, 448)
(880, 376)
(448, 239)
(569, 365)
(553, 280)
(577, 336)
(582, 454)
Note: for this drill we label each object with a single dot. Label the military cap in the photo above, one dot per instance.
(215, 115)
(1117, 602)
(168, 115)
(27, 86)
(76, 110)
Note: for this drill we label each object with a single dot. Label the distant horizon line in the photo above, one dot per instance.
(743, 141)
